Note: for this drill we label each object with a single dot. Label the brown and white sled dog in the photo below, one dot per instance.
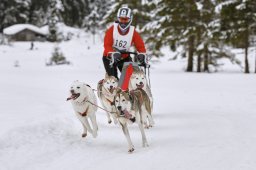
(138, 81)
(130, 108)
(81, 98)
(106, 91)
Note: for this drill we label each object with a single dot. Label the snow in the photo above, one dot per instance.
(20, 27)
(203, 121)
(62, 28)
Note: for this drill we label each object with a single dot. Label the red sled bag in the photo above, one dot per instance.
(126, 74)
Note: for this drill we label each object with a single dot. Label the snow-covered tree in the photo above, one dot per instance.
(175, 24)
(75, 11)
(140, 12)
(98, 9)
(55, 8)
(238, 19)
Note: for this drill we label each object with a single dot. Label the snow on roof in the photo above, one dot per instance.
(61, 27)
(14, 29)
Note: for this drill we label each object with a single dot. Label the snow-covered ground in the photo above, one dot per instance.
(203, 121)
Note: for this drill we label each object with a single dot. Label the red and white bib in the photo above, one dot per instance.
(122, 42)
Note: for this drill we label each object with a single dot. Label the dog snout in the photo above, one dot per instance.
(72, 91)
(141, 83)
(119, 108)
(111, 87)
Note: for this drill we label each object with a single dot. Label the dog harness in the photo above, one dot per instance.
(85, 112)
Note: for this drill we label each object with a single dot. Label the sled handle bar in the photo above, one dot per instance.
(122, 52)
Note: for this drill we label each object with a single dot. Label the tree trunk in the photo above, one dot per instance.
(190, 53)
(206, 58)
(199, 63)
(255, 59)
(246, 62)
(246, 70)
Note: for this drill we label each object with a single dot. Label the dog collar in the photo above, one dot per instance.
(82, 102)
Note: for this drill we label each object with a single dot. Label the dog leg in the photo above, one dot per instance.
(94, 125)
(150, 120)
(109, 119)
(113, 115)
(145, 117)
(144, 139)
(85, 125)
(84, 134)
(145, 121)
(115, 119)
(128, 138)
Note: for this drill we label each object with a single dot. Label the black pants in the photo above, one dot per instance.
(112, 71)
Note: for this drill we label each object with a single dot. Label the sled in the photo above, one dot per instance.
(128, 69)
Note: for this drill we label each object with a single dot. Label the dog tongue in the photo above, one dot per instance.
(127, 114)
(71, 97)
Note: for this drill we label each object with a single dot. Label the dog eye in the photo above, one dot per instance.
(123, 100)
(116, 100)
(137, 78)
(78, 87)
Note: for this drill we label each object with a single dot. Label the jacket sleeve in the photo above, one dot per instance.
(108, 41)
(138, 42)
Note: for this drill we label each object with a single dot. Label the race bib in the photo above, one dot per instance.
(122, 42)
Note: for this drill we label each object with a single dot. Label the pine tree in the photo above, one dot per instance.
(75, 12)
(238, 24)
(175, 25)
(55, 8)
(140, 12)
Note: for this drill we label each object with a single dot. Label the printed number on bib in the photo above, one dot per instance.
(121, 43)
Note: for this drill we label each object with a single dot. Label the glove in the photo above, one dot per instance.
(116, 56)
(141, 58)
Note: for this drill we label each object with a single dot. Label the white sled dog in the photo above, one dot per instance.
(130, 109)
(81, 98)
(138, 81)
(106, 91)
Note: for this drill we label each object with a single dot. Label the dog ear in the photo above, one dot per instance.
(131, 95)
(118, 90)
(115, 79)
(106, 75)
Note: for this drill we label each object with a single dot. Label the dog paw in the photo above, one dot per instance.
(131, 150)
(145, 144)
(84, 135)
(94, 135)
(146, 127)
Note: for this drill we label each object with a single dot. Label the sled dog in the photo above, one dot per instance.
(130, 107)
(81, 98)
(106, 91)
(138, 81)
